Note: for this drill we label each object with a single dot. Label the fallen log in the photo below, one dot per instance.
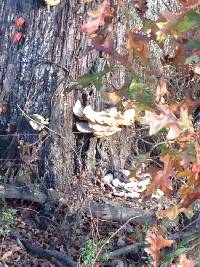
(103, 209)
(117, 212)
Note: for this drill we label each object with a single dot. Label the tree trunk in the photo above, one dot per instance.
(31, 82)
(52, 36)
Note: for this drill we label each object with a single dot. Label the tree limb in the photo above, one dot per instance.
(41, 252)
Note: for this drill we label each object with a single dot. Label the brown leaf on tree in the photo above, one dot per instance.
(19, 22)
(166, 119)
(104, 43)
(17, 37)
(99, 17)
(157, 242)
(161, 90)
(189, 3)
(171, 213)
(188, 103)
(138, 45)
(162, 180)
(190, 198)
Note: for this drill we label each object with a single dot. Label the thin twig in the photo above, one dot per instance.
(194, 221)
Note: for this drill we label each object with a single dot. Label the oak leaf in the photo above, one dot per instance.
(166, 119)
(171, 213)
(17, 37)
(162, 179)
(99, 18)
(157, 242)
(190, 198)
(138, 45)
(161, 90)
(19, 22)
(185, 262)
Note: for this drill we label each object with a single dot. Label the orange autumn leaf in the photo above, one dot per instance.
(171, 213)
(185, 262)
(196, 168)
(161, 90)
(17, 37)
(162, 179)
(19, 22)
(138, 45)
(190, 103)
(190, 197)
(157, 242)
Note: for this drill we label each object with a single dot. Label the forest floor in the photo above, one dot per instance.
(88, 240)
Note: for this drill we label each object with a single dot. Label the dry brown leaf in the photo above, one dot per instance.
(170, 213)
(185, 262)
(138, 45)
(161, 90)
(166, 119)
(157, 242)
(162, 180)
(9, 253)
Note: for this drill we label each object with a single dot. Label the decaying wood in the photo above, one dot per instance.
(22, 192)
(104, 210)
(115, 211)
(41, 252)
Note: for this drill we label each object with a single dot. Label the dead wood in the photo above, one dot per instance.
(106, 210)
(41, 252)
(116, 211)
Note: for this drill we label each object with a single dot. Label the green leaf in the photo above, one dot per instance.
(87, 79)
(98, 84)
(190, 21)
(192, 44)
(192, 59)
(173, 255)
(140, 94)
(185, 241)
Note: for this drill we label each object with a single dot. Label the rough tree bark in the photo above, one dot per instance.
(29, 79)
(48, 36)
